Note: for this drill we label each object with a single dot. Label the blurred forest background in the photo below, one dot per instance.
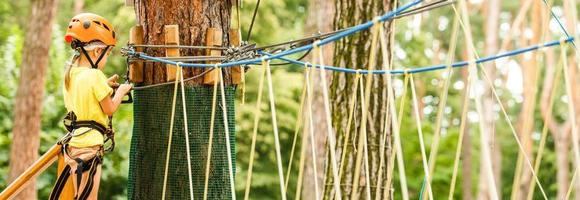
(421, 40)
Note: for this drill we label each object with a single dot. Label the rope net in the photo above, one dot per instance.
(152, 109)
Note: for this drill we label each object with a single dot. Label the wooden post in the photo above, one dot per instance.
(213, 38)
(237, 75)
(136, 67)
(171, 38)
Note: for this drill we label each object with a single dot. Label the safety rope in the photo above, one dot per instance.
(227, 132)
(303, 146)
(571, 110)
(257, 115)
(296, 130)
(389, 118)
(179, 75)
(472, 72)
(365, 100)
(352, 106)
(466, 29)
(365, 146)
(172, 120)
(398, 146)
(275, 127)
(383, 18)
(462, 128)
(384, 133)
(185, 126)
(420, 133)
(560, 24)
(538, 160)
(330, 132)
(570, 186)
(575, 144)
(443, 101)
(311, 130)
(547, 120)
(210, 139)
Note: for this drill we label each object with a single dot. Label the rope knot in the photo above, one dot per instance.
(376, 20)
(316, 44)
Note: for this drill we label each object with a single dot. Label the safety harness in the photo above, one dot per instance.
(71, 124)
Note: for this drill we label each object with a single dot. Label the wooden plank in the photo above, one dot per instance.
(213, 38)
(136, 67)
(171, 38)
(237, 72)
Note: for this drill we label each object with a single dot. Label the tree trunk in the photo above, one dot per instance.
(526, 117)
(29, 96)
(193, 18)
(466, 158)
(79, 6)
(152, 107)
(354, 52)
(318, 11)
(571, 13)
(492, 10)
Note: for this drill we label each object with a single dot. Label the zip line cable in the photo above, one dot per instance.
(325, 41)
(253, 19)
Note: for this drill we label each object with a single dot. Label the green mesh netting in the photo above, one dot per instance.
(152, 112)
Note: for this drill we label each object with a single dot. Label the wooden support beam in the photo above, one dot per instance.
(171, 38)
(34, 170)
(136, 67)
(213, 38)
(235, 40)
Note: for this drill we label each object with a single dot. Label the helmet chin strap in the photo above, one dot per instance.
(94, 65)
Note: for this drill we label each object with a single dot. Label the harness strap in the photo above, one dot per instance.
(60, 183)
(90, 124)
(79, 171)
(90, 181)
(94, 65)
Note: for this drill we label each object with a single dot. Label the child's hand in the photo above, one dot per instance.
(124, 88)
(112, 81)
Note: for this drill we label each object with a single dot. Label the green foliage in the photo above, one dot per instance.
(280, 21)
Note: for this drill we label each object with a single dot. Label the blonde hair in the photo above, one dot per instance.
(76, 57)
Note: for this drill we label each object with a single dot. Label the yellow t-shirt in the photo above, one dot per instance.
(87, 88)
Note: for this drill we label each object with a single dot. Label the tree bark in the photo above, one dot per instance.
(152, 107)
(318, 11)
(492, 10)
(526, 117)
(194, 17)
(354, 52)
(29, 96)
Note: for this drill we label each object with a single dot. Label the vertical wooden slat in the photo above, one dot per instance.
(213, 38)
(136, 67)
(171, 38)
(236, 71)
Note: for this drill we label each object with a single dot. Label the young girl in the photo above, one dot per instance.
(87, 97)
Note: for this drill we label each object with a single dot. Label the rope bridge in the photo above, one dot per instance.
(220, 148)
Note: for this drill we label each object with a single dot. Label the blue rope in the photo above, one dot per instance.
(353, 30)
(330, 39)
(422, 189)
(429, 68)
(562, 27)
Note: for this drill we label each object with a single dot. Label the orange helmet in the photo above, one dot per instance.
(89, 27)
